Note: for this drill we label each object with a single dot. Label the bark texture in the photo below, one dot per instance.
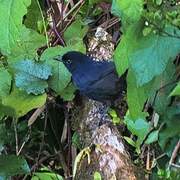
(107, 152)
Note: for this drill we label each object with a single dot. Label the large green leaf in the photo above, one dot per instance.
(136, 96)
(60, 75)
(11, 15)
(164, 85)
(74, 35)
(129, 11)
(121, 56)
(127, 43)
(31, 76)
(75, 30)
(18, 103)
(26, 46)
(5, 82)
(11, 165)
(150, 54)
(147, 55)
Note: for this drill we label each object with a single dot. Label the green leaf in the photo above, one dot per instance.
(5, 82)
(139, 127)
(158, 2)
(170, 131)
(75, 30)
(46, 175)
(120, 56)
(11, 15)
(153, 137)
(33, 16)
(26, 46)
(124, 48)
(130, 11)
(30, 76)
(74, 35)
(18, 103)
(76, 140)
(164, 81)
(97, 176)
(11, 165)
(136, 97)
(68, 93)
(150, 54)
(130, 141)
(60, 75)
(176, 90)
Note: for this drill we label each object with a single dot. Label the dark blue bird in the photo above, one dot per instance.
(97, 80)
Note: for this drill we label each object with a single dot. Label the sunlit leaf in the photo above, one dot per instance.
(18, 103)
(11, 15)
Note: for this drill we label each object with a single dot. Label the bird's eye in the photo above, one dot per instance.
(68, 61)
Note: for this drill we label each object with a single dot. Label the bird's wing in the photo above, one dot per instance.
(92, 73)
(106, 87)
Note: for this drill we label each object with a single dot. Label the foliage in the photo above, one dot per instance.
(97, 176)
(12, 165)
(30, 77)
(146, 57)
(45, 174)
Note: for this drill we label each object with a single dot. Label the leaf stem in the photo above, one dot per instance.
(44, 25)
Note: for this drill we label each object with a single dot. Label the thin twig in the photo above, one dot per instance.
(24, 142)
(54, 28)
(44, 25)
(109, 23)
(174, 154)
(148, 159)
(16, 135)
(70, 21)
(160, 156)
(72, 9)
(175, 165)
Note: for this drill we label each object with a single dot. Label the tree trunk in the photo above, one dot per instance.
(106, 148)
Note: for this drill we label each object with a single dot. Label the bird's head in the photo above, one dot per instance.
(73, 60)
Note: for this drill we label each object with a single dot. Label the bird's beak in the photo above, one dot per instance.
(58, 58)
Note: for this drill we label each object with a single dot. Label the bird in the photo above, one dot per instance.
(98, 80)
